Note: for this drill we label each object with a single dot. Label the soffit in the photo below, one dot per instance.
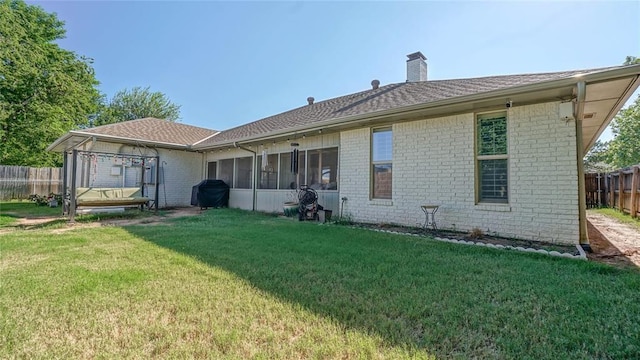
(602, 102)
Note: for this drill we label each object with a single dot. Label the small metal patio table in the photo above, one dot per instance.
(429, 213)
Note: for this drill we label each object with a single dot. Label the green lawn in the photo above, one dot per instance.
(233, 284)
(11, 210)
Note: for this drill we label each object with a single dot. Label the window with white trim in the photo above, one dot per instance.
(225, 171)
(269, 173)
(492, 160)
(322, 170)
(212, 169)
(243, 172)
(381, 163)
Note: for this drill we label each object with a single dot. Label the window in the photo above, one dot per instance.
(323, 169)
(492, 158)
(269, 173)
(212, 172)
(243, 172)
(381, 164)
(226, 171)
(287, 178)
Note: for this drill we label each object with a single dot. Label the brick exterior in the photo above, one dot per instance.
(433, 163)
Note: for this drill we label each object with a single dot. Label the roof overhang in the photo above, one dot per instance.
(73, 139)
(603, 100)
(606, 93)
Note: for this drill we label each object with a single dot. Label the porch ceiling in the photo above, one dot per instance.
(68, 142)
(602, 102)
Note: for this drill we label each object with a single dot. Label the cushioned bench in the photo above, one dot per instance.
(109, 197)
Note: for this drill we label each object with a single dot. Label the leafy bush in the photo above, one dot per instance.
(41, 200)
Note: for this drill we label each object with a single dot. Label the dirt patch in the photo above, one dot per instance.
(154, 219)
(27, 222)
(151, 219)
(613, 242)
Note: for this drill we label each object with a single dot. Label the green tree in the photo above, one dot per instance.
(596, 159)
(630, 60)
(136, 104)
(45, 90)
(624, 149)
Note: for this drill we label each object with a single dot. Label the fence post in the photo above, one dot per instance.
(605, 194)
(633, 209)
(612, 194)
(621, 190)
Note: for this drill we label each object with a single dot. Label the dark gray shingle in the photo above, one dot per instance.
(384, 98)
(155, 130)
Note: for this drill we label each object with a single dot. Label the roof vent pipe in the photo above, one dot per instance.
(375, 84)
(310, 100)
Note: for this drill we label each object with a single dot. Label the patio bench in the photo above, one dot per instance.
(110, 197)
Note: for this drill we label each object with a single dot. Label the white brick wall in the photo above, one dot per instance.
(433, 163)
(181, 170)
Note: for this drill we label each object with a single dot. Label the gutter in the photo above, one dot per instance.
(485, 96)
(255, 173)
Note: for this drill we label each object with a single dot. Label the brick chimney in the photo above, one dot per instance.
(416, 67)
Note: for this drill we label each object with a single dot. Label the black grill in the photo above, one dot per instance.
(210, 193)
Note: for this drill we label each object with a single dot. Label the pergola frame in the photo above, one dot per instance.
(69, 207)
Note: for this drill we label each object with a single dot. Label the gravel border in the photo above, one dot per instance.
(581, 256)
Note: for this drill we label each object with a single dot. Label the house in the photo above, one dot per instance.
(498, 153)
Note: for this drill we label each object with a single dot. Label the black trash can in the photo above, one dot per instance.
(210, 193)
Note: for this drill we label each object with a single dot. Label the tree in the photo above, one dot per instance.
(136, 104)
(45, 90)
(631, 60)
(596, 159)
(624, 149)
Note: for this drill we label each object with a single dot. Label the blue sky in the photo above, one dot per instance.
(229, 63)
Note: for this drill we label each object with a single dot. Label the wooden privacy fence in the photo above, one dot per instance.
(18, 182)
(619, 189)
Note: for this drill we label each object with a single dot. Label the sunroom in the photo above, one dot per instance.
(263, 176)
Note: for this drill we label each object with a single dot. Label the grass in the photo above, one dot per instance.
(618, 215)
(27, 209)
(233, 284)
(10, 211)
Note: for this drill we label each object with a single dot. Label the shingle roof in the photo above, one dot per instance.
(154, 130)
(384, 98)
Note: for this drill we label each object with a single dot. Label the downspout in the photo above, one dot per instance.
(203, 166)
(254, 175)
(582, 196)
